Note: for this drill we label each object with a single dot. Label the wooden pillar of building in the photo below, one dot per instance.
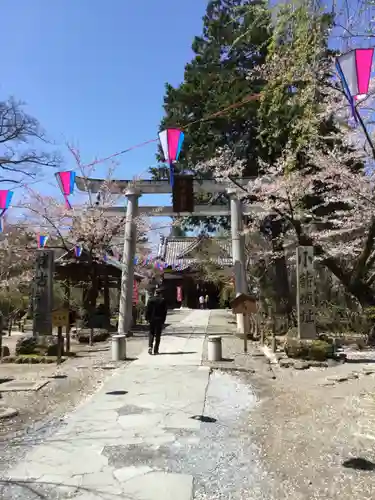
(106, 300)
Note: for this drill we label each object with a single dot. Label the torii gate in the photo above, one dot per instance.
(133, 190)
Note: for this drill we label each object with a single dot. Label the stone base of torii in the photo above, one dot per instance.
(133, 190)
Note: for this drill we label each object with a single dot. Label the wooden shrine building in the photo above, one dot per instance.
(95, 278)
(183, 258)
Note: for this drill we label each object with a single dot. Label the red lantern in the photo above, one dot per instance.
(135, 293)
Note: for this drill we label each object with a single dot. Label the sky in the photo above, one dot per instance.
(93, 72)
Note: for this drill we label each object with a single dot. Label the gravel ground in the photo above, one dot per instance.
(307, 428)
(41, 412)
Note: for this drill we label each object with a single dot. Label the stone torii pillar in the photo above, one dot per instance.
(127, 278)
(238, 251)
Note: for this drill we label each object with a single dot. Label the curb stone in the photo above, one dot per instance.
(7, 412)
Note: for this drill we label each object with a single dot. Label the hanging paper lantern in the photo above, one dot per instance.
(5, 200)
(66, 181)
(354, 69)
(42, 240)
(171, 141)
(135, 293)
(78, 251)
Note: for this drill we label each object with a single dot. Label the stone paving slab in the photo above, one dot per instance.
(175, 351)
(100, 450)
(22, 385)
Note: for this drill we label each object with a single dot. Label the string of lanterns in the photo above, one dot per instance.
(354, 70)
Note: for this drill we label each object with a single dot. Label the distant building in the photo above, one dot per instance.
(182, 257)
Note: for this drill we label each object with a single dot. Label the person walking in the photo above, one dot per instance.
(156, 314)
(201, 301)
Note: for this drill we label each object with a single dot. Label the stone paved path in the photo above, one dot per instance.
(111, 447)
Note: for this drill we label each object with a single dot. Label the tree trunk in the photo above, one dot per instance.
(282, 297)
(363, 293)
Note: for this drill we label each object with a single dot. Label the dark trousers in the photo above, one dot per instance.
(154, 335)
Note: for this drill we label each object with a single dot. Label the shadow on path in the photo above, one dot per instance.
(176, 353)
(359, 463)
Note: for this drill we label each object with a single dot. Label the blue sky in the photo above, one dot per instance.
(93, 71)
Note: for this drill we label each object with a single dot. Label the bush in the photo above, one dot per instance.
(9, 359)
(31, 359)
(295, 348)
(51, 347)
(5, 351)
(26, 345)
(320, 350)
(317, 350)
(101, 336)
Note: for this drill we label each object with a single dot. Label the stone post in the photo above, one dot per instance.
(43, 293)
(127, 278)
(238, 252)
(305, 293)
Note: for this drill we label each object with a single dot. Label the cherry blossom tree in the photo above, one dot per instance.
(88, 225)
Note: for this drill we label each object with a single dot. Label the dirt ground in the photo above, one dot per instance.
(315, 428)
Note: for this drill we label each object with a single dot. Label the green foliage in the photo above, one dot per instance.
(320, 350)
(317, 350)
(33, 359)
(297, 53)
(26, 345)
(233, 41)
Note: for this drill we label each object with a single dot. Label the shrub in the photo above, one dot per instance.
(295, 348)
(317, 350)
(9, 359)
(101, 336)
(26, 345)
(5, 351)
(320, 350)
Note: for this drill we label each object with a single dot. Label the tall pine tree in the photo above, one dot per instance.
(233, 42)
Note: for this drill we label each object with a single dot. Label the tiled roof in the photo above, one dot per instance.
(180, 252)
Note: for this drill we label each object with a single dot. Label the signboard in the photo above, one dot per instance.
(305, 293)
(244, 304)
(183, 193)
(43, 292)
(60, 318)
(135, 292)
(179, 294)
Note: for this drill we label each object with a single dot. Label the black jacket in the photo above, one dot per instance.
(156, 310)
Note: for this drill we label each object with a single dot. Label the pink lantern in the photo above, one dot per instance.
(171, 141)
(5, 200)
(66, 181)
(354, 68)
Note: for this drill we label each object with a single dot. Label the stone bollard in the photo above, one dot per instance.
(214, 348)
(118, 347)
